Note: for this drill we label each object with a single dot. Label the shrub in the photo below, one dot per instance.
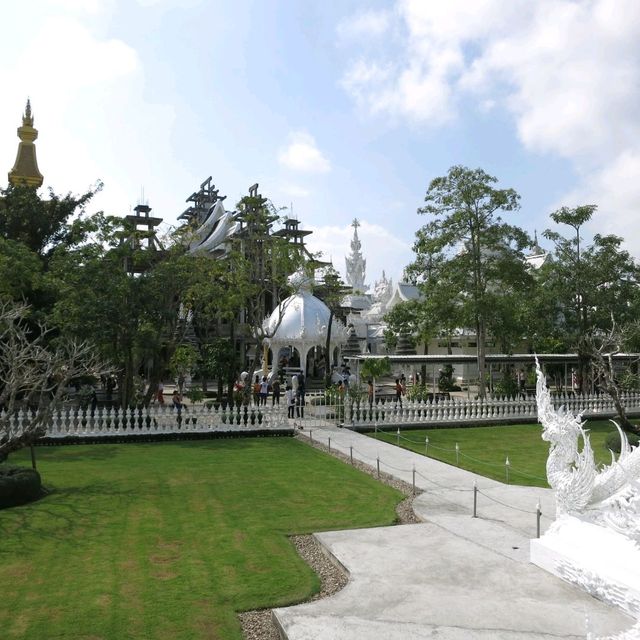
(18, 485)
(612, 441)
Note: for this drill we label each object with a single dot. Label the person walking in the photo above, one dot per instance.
(300, 396)
(264, 390)
(399, 391)
(275, 388)
(288, 394)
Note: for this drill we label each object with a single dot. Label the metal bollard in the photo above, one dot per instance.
(414, 480)
(475, 499)
(426, 446)
(351, 453)
(398, 437)
(378, 466)
(507, 464)
(457, 454)
(329, 443)
(538, 516)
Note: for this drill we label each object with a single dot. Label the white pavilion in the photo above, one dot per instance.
(299, 325)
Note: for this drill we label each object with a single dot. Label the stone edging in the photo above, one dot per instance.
(259, 624)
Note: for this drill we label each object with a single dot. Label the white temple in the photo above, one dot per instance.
(303, 321)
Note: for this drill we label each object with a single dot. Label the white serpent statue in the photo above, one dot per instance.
(608, 496)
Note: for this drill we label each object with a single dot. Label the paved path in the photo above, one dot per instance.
(453, 577)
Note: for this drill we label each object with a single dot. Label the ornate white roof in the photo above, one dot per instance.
(304, 321)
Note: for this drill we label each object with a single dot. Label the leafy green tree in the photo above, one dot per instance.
(136, 321)
(31, 228)
(332, 291)
(216, 360)
(588, 284)
(42, 224)
(374, 368)
(467, 255)
(182, 363)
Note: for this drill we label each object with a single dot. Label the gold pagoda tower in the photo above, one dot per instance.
(25, 170)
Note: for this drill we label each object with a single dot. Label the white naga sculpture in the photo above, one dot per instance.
(607, 496)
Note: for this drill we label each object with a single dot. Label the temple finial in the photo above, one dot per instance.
(25, 170)
(27, 118)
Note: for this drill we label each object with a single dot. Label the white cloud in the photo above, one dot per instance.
(94, 122)
(370, 24)
(568, 72)
(295, 191)
(302, 154)
(381, 249)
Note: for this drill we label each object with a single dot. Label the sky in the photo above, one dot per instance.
(339, 110)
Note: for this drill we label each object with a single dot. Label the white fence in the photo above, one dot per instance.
(204, 419)
(491, 410)
(157, 421)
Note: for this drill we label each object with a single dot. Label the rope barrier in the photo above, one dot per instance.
(476, 460)
(386, 464)
(445, 488)
(441, 485)
(504, 504)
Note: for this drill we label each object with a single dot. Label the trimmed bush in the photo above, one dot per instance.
(612, 441)
(18, 485)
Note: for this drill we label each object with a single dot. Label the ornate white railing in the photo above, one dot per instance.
(491, 410)
(156, 420)
(203, 419)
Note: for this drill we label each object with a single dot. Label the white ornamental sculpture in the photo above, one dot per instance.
(594, 542)
(610, 496)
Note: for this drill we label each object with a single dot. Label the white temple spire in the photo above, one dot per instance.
(355, 263)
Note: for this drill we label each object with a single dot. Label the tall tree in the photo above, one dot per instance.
(589, 283)
(467, 254)
(331, 291)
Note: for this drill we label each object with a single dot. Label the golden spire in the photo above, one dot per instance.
(25, 170)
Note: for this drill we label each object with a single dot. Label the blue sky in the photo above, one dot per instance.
(342, 109)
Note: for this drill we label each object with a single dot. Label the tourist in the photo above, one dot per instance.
(264, 390)
(275, 387)
(256, 391)
(403, 384)
(160, 394)
(176, 400)
(399, 391)
(300, 393)
(289, 396)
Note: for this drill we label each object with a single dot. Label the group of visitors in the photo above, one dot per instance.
(261, 389)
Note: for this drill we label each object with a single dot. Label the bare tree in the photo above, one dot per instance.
(601, 348)
(34, 376)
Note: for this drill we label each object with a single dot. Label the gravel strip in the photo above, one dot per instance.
(258, 625)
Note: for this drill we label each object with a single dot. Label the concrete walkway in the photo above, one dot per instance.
(453, 577)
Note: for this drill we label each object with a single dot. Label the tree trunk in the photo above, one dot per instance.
(481, 351)
(327, 352)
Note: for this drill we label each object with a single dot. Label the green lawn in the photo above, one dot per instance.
(490, 446)
(169, 540)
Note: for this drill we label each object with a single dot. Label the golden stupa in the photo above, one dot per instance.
(25, 170)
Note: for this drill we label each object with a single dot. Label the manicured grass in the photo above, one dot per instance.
(490, 446)
(169, 540)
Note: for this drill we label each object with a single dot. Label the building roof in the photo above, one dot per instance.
(304, 320)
